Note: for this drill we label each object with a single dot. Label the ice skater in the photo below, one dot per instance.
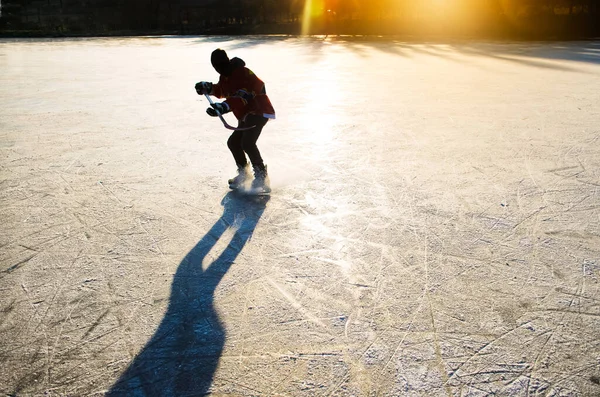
(245, 95)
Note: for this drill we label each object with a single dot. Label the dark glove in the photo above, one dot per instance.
(244, 95)
(204, 87)
(222, 108)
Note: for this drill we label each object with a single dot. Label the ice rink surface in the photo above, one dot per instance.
(433, 230)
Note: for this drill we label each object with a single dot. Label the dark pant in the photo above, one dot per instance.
(241, 142)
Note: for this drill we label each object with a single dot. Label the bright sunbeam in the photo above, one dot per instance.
(306, 17)
(312, 9)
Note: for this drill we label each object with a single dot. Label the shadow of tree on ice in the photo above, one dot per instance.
(183, 354)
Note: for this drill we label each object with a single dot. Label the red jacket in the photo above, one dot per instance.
(244, 91)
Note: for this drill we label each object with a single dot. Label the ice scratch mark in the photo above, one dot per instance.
(537, 359)
(574, 373)
(293, 254)
(438, 350)
(233, 382)
(309, 320)
(588, 182)
(152, 237)
(528, 216)
(591, 314)
(296, 304)
(110, 191)
(341, 263)
(72, 162)
(362, 285)
(245, 320)
(347, 325)
(399, 345)
(19, 264)
(79, 345)
(41, 208)
(66, 182)
(337, 386)
(96, 323)
(51, 351)
(575, 295)
(555, 170)
(482, 349)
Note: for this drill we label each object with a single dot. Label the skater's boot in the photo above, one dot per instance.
(239, 180)
(261, 179)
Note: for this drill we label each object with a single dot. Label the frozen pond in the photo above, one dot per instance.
(434, 225)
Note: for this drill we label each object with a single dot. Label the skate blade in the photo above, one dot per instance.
(253, 191)
(259, 192)
(247, 189)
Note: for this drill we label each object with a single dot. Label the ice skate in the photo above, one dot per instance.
(240, 179)
(260, 184)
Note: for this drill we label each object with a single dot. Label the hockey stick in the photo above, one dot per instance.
(223, 120)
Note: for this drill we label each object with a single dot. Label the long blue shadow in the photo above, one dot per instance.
(181, 357)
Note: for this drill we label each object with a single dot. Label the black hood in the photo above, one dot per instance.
(237, 63)
(222, 64)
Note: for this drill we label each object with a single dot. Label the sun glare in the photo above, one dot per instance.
(306, 17)
(331, 16)
(312, 9)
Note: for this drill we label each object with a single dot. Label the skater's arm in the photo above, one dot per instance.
(256, 85)
(248, 86)
(217, 90)
(208, 88)
(237, 106)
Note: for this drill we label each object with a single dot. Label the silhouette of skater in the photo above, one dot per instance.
(181, 357)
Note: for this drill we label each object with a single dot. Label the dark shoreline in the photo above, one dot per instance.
(33, 34)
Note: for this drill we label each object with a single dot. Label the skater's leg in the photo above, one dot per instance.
(235, 146)
(250, 137)
(234, 143)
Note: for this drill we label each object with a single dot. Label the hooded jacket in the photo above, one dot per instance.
(245, 93)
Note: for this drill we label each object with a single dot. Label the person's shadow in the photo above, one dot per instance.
(181, 357)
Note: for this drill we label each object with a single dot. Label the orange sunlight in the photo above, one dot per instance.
(383, 16)
(312, 10)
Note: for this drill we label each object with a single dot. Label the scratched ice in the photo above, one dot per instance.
(434, 225)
